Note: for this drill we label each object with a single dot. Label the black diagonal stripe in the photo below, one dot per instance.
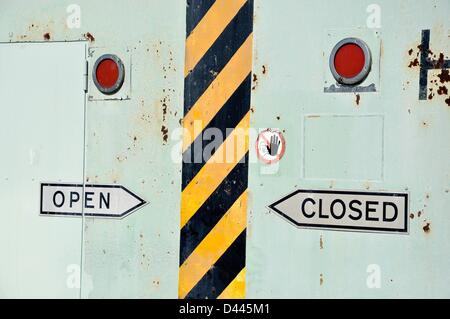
(195, 11)
(209, 214)
(228, 117)
(218, 55)
(222, 273)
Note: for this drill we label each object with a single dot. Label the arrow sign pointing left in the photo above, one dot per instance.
(113, 201)
(345, 210)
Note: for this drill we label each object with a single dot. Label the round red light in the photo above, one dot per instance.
(107, 73)
(349, 60)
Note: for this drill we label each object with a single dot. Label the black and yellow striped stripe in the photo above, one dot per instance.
(214, 188)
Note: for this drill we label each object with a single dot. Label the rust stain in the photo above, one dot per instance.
(442, 90)
(441, 79)
(165, 132)
(427, 228)
(414, 63)
(321, 279)
(47, 36)
(358, 99)
(421, 49)
(89, 37)
(413, 54)
(411, 216)
(419, 213)
(440, 61)
(264, 69)
(444, 76)
(164, 105)
(321, 242)
(255, 81)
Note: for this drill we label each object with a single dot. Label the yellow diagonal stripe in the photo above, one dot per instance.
(236, 289)
(208, 30)
(213, 246)
(220, 90)
(215, 170)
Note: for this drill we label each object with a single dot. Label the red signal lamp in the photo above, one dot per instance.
(108, 74)
(350, 61)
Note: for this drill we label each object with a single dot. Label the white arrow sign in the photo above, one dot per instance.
(346, 210)
(98, 200)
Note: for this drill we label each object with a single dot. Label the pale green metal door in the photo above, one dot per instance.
(42, 136)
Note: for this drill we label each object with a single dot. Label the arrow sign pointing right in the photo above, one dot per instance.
(114, 201)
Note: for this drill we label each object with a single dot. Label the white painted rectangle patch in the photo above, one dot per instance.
(346, 210)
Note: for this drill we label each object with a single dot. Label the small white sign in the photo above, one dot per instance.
(98, 200)
(270, 146)
(345, 210)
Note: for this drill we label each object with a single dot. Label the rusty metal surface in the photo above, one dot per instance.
(127, 142)
(130, 142)
(408, 151)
